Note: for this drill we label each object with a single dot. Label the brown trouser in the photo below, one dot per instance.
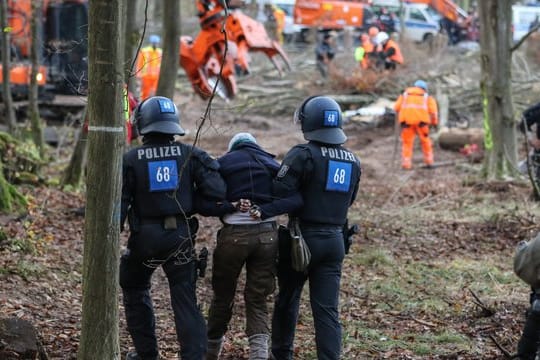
(256, 247)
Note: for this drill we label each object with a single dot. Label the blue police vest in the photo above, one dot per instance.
(328, 190)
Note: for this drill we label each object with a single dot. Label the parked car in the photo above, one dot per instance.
(522, 18)
(422, 22)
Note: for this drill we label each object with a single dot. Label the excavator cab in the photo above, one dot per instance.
(66, 46)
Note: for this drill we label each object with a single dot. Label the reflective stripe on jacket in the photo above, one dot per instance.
(416, 106)
(149, 61)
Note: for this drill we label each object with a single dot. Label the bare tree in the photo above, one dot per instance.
(33, 109)
(7, 99)
(496, 58)
(171, 46)
(99, 332)
(132, 40)
(73, 173)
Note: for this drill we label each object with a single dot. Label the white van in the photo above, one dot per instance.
(291, 30)
(522, 18)
(422, 22)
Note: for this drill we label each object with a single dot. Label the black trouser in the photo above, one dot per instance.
(324, 275)
(254, 246)
(530, 338)
(135, 280)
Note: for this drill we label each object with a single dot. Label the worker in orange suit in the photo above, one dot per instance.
(388, 50)
(148, 66)
(363, 51)
(279, 15)
(416, 112)
(372, 33)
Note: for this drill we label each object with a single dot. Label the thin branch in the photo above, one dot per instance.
(522, 40)
(481, 304)
(535, 185)
(506, 353)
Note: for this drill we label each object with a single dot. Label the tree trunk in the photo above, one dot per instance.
(9, 112)
(496, 58)
(171, 46)
(132, 40)
(33, 109)
(106, 139)
(10, 198)
(74, 172)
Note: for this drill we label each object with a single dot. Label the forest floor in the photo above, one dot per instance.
(428, 277)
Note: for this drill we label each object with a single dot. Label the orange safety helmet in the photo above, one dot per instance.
(373, 31)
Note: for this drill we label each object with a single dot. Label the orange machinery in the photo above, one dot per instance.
(332, 14)
(446, 8)
(63, 34)
(234, 34)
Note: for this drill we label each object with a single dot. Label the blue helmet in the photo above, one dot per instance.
(154, 39)
(421, 84)
(157, 114)
(320, 118)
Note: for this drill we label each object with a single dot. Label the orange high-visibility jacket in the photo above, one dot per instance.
(416, 106)
(279, 14)
(149, 61)
(397, 56)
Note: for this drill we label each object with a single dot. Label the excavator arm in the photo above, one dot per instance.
(446, 8)
(213, 59)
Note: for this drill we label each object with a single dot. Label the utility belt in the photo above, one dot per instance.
(169, 222)
(319, 226)
(263, 226)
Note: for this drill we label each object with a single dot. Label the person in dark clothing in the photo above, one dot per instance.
(248, 171)
(327, 177)
(160, 180)
(526, 265)
(387, 21)
(530, 126)
(324, 54)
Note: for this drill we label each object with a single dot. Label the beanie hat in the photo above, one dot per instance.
(242, 137)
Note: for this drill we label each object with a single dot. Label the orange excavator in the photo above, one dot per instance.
(332, 15)
(62, 60)
(447, 8)
(214, 57)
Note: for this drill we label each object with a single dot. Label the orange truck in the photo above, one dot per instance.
(63, 56)
(335, 15)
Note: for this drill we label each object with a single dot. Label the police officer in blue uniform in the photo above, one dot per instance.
(160, 181)
(327, 175)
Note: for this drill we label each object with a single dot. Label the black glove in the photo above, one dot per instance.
(202, 262)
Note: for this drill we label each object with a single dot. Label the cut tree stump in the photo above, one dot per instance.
(18, 340)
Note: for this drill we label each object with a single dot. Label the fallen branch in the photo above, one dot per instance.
(480, 303)
(503, 350)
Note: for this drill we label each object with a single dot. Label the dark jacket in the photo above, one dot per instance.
(531, 116)
(248, 171)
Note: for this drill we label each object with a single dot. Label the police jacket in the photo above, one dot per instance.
(531, 116)
(327, 178)
(162, 177)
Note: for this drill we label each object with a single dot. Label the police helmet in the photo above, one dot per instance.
(320, 118)
(158, 114)
(421, 84)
